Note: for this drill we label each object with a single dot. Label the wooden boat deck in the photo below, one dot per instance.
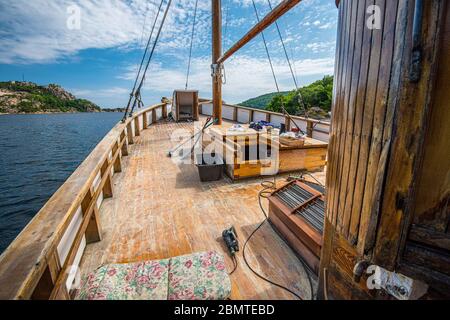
(160, 210)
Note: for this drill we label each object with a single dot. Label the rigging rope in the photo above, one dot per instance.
(273, 73)
(284, 48)
(267, 49)
(302, 103)
(138, 91)
(144, 25)
(192, 42)
(227, 11)
(133, 92)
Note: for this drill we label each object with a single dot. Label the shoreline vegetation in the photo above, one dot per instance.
(61, 112)
(30, 98)
(312, 101)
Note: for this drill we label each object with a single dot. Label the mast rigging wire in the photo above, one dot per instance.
(138, 91)
(267, 49)
(192, 43)
(133, 92)
(284, 48)
(273, 74)
(294, 77)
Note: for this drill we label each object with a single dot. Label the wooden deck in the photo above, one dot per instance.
(160, 210)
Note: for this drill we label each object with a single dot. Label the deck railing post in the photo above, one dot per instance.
(137, 129)
(93, 230)
(164, 111)
(287, 122)
(145, 122)
(130, 133)
(309, 129)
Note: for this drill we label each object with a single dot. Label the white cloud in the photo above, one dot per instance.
(317, 47)
(246, 76)
(38, 33)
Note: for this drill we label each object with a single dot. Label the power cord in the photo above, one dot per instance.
(235, 265)
(265, 193)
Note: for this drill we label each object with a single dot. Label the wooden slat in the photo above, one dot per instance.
(339, 198)
(333, 130)
(377, 159)
(333, 180)
(347, 150)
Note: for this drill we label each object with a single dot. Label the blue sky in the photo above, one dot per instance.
(98, 61)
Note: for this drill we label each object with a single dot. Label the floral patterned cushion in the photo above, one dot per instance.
(199, 276)
(137, 281)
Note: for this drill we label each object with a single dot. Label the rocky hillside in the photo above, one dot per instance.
(28, 97)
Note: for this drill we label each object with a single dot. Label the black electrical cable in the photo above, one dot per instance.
(235, 265)
(265, 193)
(302, 174)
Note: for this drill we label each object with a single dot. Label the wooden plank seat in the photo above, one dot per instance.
(200, 276)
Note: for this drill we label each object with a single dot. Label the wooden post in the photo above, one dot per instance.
(106, 174)
(130, 133)
(118, 165)
(137, 129)
(145, 117)
(154, 117)
(216, 53)
(125, 148)
(309, 129)
(164, 111)
(268, 118)
(287, 122)
(235, 114)
(251, 113)
(93, 231)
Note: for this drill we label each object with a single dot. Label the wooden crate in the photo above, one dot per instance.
(185, 105)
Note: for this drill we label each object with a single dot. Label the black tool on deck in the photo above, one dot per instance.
(231, 241)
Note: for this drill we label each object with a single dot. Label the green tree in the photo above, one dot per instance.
(316, 95)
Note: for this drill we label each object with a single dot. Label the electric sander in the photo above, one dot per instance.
(231, 241)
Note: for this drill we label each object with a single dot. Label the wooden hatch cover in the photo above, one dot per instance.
(297, 210)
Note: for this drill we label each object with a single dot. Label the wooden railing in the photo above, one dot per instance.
(39, 262)
(319, 130)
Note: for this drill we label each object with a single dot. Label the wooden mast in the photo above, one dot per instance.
(216, 53)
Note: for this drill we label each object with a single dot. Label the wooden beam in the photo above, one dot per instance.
(276, 13)
(216, 53)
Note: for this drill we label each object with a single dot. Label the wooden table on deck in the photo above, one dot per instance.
(235, 146)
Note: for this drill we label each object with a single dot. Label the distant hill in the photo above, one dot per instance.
(263, 101)
(28, 97)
